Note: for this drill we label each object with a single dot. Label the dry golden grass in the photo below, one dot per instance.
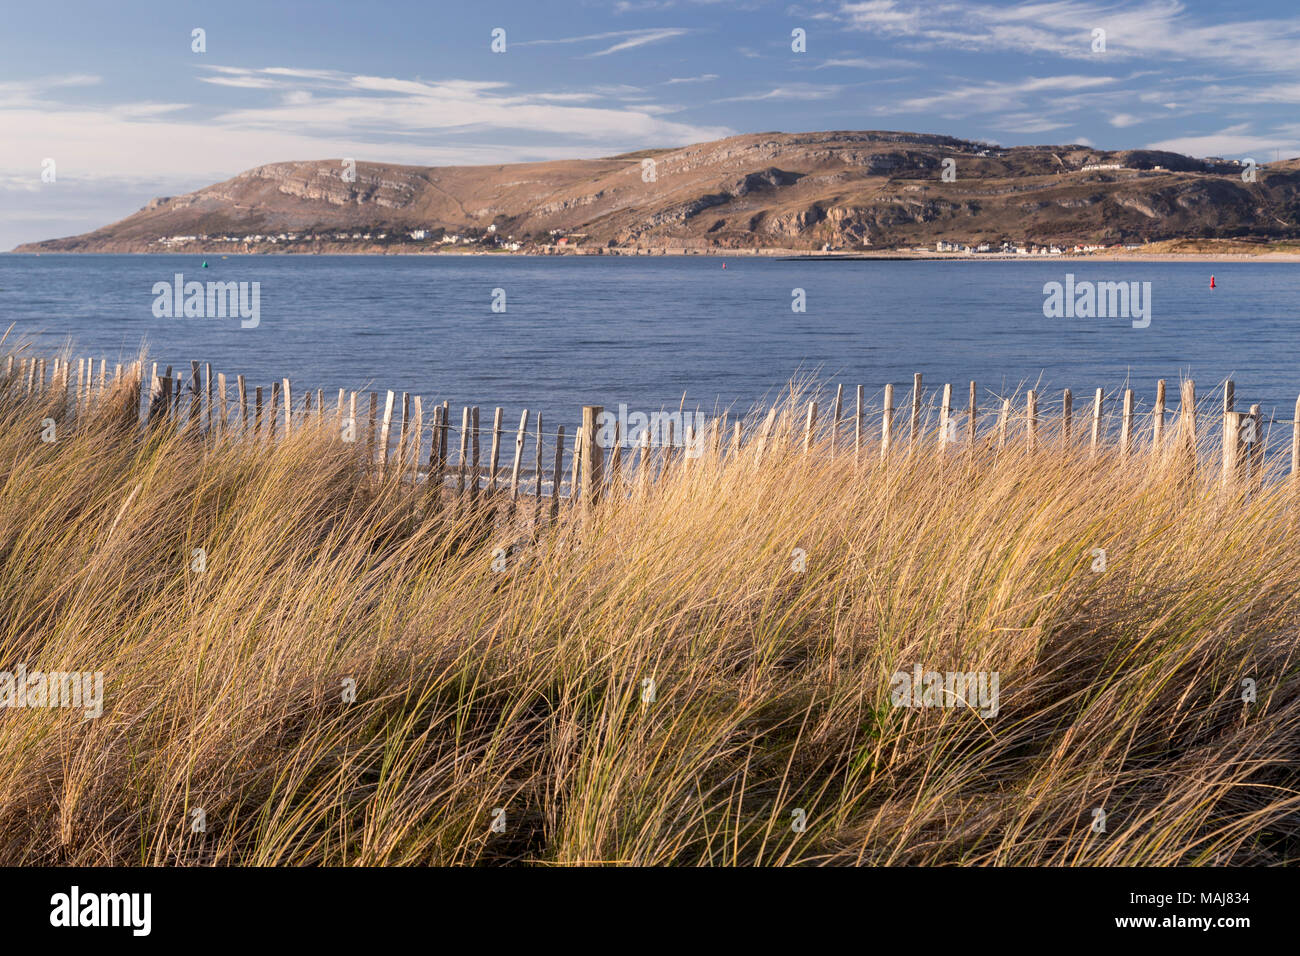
(522, 689)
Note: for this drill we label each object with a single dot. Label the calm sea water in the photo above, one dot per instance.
(647, 332)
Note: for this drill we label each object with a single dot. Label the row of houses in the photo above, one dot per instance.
(415, 235)
(1027, 248)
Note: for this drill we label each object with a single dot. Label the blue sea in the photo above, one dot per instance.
(652, 332)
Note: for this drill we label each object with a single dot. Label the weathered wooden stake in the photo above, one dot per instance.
(557, 474)
(1158, 419)
(1031, 419)
(947, 427)
(808, 427)
(887, 423)
(520, 437)
(1097, 401)
(1067, 417)
(384, 430)
(593, 456)
(288, 409)
(912, 434)
(835, 420)
(496, 450)
(1126, 426)
(857, 430)
(970, 421)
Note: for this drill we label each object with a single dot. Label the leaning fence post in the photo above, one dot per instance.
(808, 427)
(1067, 417)
(519, 453)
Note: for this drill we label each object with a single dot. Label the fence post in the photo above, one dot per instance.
(288, 410)
(1231, 447)
(519, 454)
(464, 451)
(1003, 417)
(537, 491)
(1031, 419)
(1126, 425)
(1158, 419)
(384, 429)
(857, 431)
(1067, 417)
(1097, 402)
(593, 456)
(808, 427)
(887, 423)
(835, 419)
(945, 417)
(196, 398)
(221, 395)
(764, 435)
(970, 423)
(1295, 444)
(557, 475)
(496, 449)
(1257, 449)
(473, 487)
(916, 411)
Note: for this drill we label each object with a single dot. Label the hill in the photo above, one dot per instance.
(837, 190)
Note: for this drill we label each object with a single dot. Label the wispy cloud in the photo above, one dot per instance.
(627, 39)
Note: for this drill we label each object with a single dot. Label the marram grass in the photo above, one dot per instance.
(520, 697)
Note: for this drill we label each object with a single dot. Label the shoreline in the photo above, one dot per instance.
(782, 255)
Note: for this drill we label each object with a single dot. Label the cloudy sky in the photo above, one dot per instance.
(117, 97)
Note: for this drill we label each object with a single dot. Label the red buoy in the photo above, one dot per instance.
(1211, 282)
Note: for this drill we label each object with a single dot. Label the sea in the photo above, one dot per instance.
(555, 333)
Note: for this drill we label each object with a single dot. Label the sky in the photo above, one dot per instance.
(116, 105)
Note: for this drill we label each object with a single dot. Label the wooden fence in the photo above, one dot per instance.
(393, 432)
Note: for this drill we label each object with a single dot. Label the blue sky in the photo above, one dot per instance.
(115, 95)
